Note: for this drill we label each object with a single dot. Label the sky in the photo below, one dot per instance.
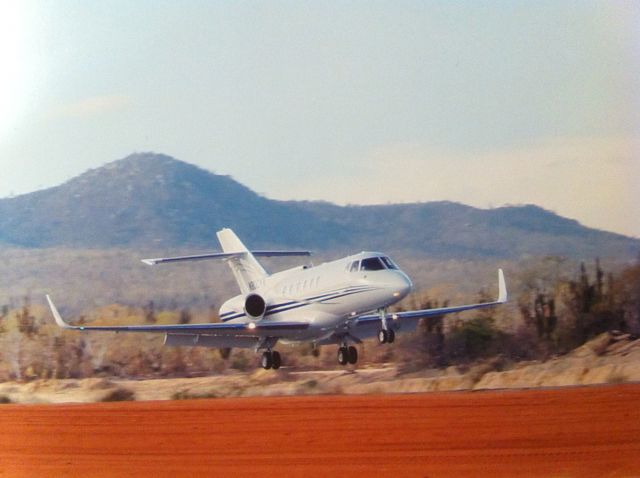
(484, 103)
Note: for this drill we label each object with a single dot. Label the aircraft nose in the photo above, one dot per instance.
(401, 285)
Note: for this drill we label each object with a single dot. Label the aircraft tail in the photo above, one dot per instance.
(246, 269)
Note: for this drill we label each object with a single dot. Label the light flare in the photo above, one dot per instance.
(14, 58)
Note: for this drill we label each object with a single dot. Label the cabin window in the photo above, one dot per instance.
(354, 266)
(372, 264)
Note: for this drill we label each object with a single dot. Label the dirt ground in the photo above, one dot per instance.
(581, 431)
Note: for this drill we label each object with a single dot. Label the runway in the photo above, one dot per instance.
(582, 432)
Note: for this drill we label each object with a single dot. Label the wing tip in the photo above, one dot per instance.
(502, 288)
(149, 262)
(56, 315)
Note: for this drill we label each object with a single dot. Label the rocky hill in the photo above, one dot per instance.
(154, 201)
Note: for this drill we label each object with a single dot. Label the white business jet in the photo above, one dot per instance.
(340, 302)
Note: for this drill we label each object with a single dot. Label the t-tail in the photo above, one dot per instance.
(246, 269)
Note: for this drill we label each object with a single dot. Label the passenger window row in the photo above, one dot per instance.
(300, 286)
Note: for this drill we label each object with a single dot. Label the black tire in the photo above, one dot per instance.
(353, 355)
(343, 356)
(383, 336)
(391, 336)
(266, 361)
(276, 360)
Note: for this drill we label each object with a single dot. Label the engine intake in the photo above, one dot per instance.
(255, 306)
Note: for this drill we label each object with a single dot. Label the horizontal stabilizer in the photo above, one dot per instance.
(224, 255)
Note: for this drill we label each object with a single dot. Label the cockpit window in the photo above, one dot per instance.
(389, 263)
(371, 264)
(354, 266)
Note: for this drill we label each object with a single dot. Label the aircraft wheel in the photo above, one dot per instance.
(276, 360)
(353, 354)
(383, 336)
(391, 336)
(343, 355)
(266, 361)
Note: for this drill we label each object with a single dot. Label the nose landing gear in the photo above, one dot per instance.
(386, 336)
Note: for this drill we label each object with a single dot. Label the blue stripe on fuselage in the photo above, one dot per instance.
(286, 306)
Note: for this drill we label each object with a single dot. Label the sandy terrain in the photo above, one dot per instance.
(607, 358)
(583, 431)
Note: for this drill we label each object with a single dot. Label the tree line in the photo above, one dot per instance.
(553, 315)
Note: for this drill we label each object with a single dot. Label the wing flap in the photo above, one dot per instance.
(211, 341)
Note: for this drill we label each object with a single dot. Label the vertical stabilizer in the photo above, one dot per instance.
(247, 270)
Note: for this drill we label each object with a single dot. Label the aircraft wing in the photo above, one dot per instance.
(373, 321)
(250, 329)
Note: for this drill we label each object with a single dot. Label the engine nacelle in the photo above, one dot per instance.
(255, 306)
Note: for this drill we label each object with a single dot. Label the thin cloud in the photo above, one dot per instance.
(94, 106)
(594, 180)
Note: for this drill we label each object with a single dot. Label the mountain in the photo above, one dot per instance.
(145, 199)
(152, 201)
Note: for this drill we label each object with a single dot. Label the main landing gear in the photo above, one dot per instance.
(271, 360)
(347, 355)
(386, 336)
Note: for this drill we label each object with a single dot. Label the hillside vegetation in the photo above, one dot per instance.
(548, 317)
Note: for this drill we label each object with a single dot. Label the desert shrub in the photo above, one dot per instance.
(311, 384)
(119, 394)
(188, 395)
(617, 377)
(240, 361)
(523, 344)
(473, 339)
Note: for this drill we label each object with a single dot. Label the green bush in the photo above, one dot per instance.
(473, 339)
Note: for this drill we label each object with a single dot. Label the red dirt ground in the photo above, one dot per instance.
(582, 432)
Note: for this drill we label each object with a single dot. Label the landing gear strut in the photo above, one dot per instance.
(271, 360)
(347, 355)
